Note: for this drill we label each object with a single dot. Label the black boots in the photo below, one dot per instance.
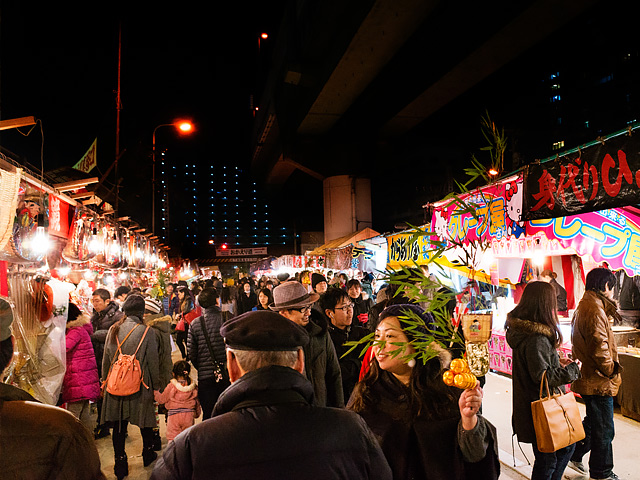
(157, 441)
(148, 456)
(121, 467)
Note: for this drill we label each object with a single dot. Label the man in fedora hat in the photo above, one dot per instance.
(265, 424)
(292, 301)
(39, 441)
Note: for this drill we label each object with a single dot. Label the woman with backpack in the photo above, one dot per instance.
(129, 336)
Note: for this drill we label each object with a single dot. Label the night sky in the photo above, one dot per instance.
(59, 64)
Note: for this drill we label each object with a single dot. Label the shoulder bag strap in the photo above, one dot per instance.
(119, 350)
(215, 361)
(142, 339)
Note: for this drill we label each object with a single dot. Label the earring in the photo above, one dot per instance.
(412, 363)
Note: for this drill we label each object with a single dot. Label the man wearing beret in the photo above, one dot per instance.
(39, 441)
(292, 301)
(265, 425)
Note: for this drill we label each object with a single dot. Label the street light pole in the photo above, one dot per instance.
(184, 127)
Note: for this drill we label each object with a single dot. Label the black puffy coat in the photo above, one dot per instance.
(197, 344)
(101, 322)
(533, 353)
(264, 426)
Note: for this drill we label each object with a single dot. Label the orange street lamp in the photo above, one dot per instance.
(184, 127)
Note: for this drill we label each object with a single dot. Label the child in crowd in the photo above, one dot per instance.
(81, 384)
(181, 400)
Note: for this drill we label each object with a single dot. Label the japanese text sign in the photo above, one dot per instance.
(611, 236)
(498, 210)
(599, 177)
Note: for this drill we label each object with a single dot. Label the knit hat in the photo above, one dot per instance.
(292, 295)
(6, 319)
(207, 297)
(317, 278)
(263, 330)
(73, 313)
(151, 305)
(134, 305)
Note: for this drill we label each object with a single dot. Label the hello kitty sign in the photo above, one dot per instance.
(498, 209)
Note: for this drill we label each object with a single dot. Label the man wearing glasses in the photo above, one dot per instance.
(292, 301)
(338, 307)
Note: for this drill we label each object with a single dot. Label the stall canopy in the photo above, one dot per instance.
(345, 241)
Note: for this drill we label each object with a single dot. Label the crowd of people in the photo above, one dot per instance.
(282, 394)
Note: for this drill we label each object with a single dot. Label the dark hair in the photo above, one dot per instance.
(265, 291)
(598, 278)
(539, 304)
(103, 293)
(331, 297)
(354, 282)
(186, 304)
(122, 289)
(182, 369)
(225, 295)
(427, 395)
(6, 353)
(207, 297)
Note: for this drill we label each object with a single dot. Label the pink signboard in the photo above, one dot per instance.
(611, 236)
(498, 209)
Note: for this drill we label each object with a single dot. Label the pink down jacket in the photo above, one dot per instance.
(81, 378)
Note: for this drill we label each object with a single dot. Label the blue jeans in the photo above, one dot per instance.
(550, 466)
(599, 430)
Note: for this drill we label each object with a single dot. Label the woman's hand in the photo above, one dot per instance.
(469, 403)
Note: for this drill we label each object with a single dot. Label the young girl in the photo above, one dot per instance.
(180, 398)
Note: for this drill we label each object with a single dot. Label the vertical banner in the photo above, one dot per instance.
(88, 160)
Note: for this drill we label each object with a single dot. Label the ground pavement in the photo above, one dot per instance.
(496, 407)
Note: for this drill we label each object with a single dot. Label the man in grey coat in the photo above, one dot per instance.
(292, 301)
(265, 424)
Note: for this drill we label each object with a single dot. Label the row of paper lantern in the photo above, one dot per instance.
(106, 243)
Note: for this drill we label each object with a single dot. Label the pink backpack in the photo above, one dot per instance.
(125, 374)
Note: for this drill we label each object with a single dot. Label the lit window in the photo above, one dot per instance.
(558, 145)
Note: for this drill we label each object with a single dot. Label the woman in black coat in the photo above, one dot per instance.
(247, 299)
(426, 429)
(213, 378)
(534, 336)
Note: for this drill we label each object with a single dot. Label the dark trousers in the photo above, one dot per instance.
(208, 392)
(118, 437)
(599, 430)
(550, 466)
(181, 340)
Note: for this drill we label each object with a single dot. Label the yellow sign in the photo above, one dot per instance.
(88, 161)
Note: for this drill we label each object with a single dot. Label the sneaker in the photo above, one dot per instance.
(578, 467)
(613, 476)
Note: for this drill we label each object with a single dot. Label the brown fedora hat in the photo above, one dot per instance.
(292, 295)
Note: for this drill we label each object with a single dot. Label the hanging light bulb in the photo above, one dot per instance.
(40, 243)
(115, 246)
(94, 243)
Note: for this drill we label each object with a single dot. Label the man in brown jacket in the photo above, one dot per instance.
(594, 345)
(39, 441)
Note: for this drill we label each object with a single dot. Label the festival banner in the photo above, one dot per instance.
(58, 217)
(611, 235)
(599, 177)
(407, 249)
(498, 214)
(89, 159)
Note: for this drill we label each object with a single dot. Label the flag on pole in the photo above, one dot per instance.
(88, 160)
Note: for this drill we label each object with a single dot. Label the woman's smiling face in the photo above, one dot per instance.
(388, 333)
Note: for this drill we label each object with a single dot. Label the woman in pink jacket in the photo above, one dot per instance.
(180, 398)
(81, 384)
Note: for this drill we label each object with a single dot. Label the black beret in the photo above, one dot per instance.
(134, 305)
(263, 330)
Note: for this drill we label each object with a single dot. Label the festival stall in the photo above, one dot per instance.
(570, 214)
(51, 248)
